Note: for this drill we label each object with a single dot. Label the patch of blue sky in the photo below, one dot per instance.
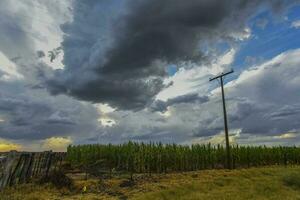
(294, 13)
(269, 39)
(172, 69)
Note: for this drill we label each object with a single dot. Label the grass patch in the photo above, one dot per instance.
(255, 183)
(292, 180)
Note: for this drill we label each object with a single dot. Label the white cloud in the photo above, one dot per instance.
(242, 35)
(8, 68)
(295, 24)
(263, 106)
(216, 139)
(286, 136)
(270, 91)
(105, 121)
(32, 26)
(58, 144)
(6, 145)
(46, 21)
(104, 108)
(190, 80)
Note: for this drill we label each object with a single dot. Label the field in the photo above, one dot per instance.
(253, 183)
(156, 171)
(158, 158)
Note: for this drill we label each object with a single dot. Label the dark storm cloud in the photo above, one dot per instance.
(270, 120)
(117, 53)
(40, 54)
(162, 106)
(205, 131)
(164, 30)
(286, 111)
(27, 111)
(33, 115)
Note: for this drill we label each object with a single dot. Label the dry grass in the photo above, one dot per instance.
(258, 184)
(254, 183)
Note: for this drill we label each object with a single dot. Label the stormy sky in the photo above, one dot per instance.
(99, 71)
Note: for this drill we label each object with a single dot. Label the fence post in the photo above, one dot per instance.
(8, 169)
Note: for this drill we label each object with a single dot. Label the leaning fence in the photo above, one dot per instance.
(21, 167)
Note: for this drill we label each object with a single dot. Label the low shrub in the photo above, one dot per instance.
(58, 179)
(292, 180)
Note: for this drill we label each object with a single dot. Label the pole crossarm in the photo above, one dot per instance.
(221, 75)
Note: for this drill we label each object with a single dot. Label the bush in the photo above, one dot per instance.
(292, 180)
(58, 179)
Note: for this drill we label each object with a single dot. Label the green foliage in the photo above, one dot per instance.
(135, 157)
(292, 180)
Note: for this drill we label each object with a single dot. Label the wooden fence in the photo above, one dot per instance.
(20, 167)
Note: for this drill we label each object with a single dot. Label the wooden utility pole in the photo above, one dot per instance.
(225, 117)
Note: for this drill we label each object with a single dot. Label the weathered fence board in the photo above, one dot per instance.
(20, 167)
